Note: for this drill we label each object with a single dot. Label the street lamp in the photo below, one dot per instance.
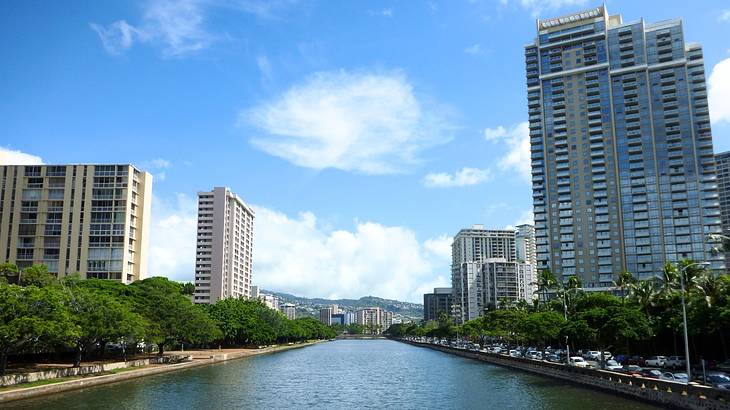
(684, 315)
(565, 314)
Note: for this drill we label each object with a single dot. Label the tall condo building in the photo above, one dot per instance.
(224, 253)
(91, 219)
(470, 249)
(723, 183)
(525, 244)
(622, 161)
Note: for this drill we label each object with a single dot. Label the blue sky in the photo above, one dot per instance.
(365, 134)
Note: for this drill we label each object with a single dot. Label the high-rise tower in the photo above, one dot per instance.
(224, 253)
(622, 160)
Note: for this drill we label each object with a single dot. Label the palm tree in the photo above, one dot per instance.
(669, 280)
(644, 293)
(545, 282)
(625, 279)
(710, 286)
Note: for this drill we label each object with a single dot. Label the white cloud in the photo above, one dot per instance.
(719, 92)
(371, 123)
(517, 140)
(178, 25)
(12, 157)
(157, 163)
(725, 15)
(172, 237)
(440, 246)
(387, 12)
(264, 65)
(527, 217)
(297, 255)
(118, 37)
(300, 256)
(536, 7)
(474, 49)
(466, 176)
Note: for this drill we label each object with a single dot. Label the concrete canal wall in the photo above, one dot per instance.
(663, 393)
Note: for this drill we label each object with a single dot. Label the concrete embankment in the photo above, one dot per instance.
(194, 358)
(663, 393)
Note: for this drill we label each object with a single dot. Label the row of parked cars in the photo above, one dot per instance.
(653, 367)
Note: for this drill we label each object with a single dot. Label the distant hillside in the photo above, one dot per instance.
(305, 306)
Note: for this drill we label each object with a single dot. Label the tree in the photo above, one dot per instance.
(100, 318)
(644, 294)
(545, 282)
(9, 273)
(32, 316)
(188, 288)
(37, 275)
(624, 282)
(171, 317)
(541, 327)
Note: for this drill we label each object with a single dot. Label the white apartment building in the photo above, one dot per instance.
(224, 253)
(377, 319)
(88, 218)
(289, 310)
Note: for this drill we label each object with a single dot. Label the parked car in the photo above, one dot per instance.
(613, 365)
(578, 361)
(718, 380)
(591, 355)
(635, 360)
(724, 366)
(553, 358)
(631, 369)
(656, 361)
(674, 362)
(674, 377)
(651, 373)
(514, 353)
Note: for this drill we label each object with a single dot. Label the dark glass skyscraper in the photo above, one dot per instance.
(622, 162)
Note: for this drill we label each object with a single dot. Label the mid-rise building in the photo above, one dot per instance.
(325, 316)
(224, 252)
(507, 282)
(375, 319)
(470, 249)
(349, 318)
(271, 301)
(438, 302)
(289, 310)
(91, 219)
(338, 319)
(623, 169)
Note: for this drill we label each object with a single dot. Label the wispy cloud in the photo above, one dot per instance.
(724, 15)
(537, 7)
(178, 26)
(517, 140)
(12, 157)
(372, 123)
(172, 237)
(385, 12)
(464, 177)
(719, 92)
(474, 49)
(264, 65)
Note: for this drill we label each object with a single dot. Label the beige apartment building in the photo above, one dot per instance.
(224, 253)
(91, 219)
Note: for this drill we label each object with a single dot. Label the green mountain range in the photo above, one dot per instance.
(310, 306)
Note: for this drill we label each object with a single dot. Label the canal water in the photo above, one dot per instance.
(345, 374)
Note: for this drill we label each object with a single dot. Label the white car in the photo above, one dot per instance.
(514, 353)
(577, 361)
(674, 377)
(613, 365)
(656, 361)
(675, 362)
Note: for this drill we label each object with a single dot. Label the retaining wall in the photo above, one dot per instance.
(13, 379)
(664, 393)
